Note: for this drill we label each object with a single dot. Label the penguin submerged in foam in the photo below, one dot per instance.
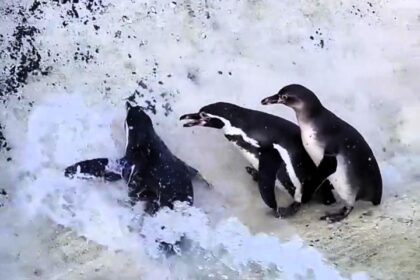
(152, 172)
(339, 151)
(272, 145)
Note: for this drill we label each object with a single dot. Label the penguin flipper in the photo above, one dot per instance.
(326, 167)
(268, 166)
(319, 182)
(97, 167)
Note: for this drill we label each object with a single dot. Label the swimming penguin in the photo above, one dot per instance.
(272, 145)
(152, 172)
(339, 151)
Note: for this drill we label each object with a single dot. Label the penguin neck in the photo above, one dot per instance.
(138, 153)
(308, 114)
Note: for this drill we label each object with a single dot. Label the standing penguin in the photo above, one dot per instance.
(339, 151)
(272, 145)
(152, 172)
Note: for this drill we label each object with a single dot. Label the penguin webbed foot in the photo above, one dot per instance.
(253, 172)
(275, 213)
(337, 216)
(288, 211)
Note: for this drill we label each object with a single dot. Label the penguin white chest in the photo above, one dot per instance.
(313, 147)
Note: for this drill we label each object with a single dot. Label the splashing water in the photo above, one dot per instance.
(65, 104)
(97, 210)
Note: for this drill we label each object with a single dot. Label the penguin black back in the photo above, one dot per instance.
(152, 172)
(267, 130)
(157, 171)
(250, 122)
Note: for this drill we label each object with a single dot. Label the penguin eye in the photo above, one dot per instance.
(203, 115)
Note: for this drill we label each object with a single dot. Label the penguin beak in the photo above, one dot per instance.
(274, 99)
(193, 120)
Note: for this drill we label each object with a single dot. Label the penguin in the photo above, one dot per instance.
(272, 145)
(152, 172)
(339, 151)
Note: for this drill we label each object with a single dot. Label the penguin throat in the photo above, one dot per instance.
(307, 114)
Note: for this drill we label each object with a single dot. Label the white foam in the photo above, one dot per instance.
(265, 45)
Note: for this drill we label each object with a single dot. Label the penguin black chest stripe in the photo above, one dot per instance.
(248, 150)
(229, 129)
(244, 141)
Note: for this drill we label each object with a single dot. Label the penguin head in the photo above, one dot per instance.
(137, 118)
(138, 127)
(295, 96)
(211, 115)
